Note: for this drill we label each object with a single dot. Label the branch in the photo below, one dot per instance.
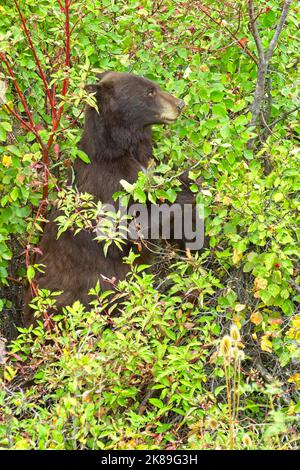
(274, 40)
(42, 75)
(75, 120)
(255, 32)
(284, 116)
(67, 60)
(239, 20)
(31, 125)
(56, 113)
(264, 58)
(67, 32)
(24, 123)
(65, 85)
(16, 85)
(265, 123)
(233, 35)
(60, 5)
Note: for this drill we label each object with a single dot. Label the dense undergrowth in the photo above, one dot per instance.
(206, 352)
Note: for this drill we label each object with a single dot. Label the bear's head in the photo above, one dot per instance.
(133, 101)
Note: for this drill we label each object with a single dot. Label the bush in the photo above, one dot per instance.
(164, 374)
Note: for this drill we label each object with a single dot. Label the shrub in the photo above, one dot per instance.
(153, 377)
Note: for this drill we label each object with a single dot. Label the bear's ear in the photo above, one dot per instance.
(101, 75)
(95, 87)
(106, 81)
(91, 88)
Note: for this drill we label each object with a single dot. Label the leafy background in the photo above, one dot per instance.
(156, 376)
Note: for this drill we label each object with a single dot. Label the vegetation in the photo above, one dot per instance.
(206, 351)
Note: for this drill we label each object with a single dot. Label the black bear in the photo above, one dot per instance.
(117, 139)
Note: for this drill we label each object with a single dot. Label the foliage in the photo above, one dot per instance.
(153, 377)
(78, 211)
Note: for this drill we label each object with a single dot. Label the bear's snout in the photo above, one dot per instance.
(180, 105)
(170, 107)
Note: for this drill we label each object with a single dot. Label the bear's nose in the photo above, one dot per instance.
(180, 105)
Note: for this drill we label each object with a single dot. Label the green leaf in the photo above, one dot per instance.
(139, 195)
(30, 273)
(14, 194)
(6, 126)
(216, 96)
(207, 148)
(2, 134)
(83, 156)
(127, 186)
(172, 195)
(170, 334)
(219, 110)
(156, 402)
(278, 197)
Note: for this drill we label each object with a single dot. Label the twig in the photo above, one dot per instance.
(65, 86)
(143, 404)
(297, 108)
(75, 120)
(233, 35)
(67, 63)
(255, 33)
(15, 281)
(37, 61)
(281, 22)
(4, 59)
(13, 112)
(264, 57)
(265, 123)
(60, 5)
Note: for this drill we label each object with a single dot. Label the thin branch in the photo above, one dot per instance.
(274, 40)
(65, 85)
(264, 60)
(31, 126)
(75, 120)
(255, 32)
(233, 35)
(67, 60)
(239, 20)
(60, 5)
(265, 123)
(15, 281)
(16, 85)
(37, 61)
(297, 108)
(17, 116)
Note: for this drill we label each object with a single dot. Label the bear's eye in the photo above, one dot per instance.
(151, 92)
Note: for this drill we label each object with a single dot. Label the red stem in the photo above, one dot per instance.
(42, 75)
(16, 85)
(60, 5)
(67, 59)
(65, 85)
(56, 115)
(24, 123)
(30, 127)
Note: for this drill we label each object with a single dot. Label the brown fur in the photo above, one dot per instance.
(118, 143)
